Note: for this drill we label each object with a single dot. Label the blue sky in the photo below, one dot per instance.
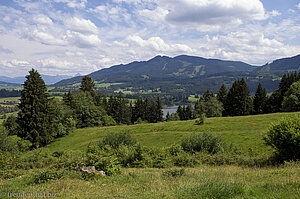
(67, 37)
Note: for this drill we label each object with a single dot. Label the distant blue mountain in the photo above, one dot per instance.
(47, 78)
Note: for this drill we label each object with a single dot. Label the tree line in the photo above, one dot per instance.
(43, 118)
(237, 101)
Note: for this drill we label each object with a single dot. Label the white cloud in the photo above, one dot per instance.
(157, 44)
(19, 64)
(298, 6)
(73, 3)
(212, 12)
(53, 63)
(45, 37)
(81, 25)
(6, 19)
(155, 15)
(81, 40)
(273, 13)
(42, 19)
(252, 48)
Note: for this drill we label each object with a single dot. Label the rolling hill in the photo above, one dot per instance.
(188, 74)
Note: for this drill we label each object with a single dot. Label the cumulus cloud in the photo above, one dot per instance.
(81, 40)
(212, 12)
(42, 19)
(298, 6)
(81, 25)
(252, 48)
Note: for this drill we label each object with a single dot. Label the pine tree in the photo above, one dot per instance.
(260, 100)
(222, 94)
(207, 95)
(238, 101)
(88, 85)
(35, 117)
(68, 99)
(158, 110)
(189, 112)
(180, 112)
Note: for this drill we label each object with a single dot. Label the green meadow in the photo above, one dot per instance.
(200, 181)
(244, 132)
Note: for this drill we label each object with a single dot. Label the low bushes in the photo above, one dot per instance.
(284, 137)
(198, 142)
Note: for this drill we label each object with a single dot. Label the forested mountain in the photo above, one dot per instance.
(281, 65)
(188, 74)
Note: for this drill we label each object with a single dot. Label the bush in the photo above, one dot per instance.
(203, 142)
(109, 121)
(103, 159)
(200, 120)
(47, 175)
(284, 137)
(114, 140)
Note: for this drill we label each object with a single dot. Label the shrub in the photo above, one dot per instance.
(103, 159)
(198, 142)
(284, 137)
(109, 121)
(114, 140)
(47, 175)
(200, 120)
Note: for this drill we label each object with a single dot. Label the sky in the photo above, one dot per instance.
(67, 37)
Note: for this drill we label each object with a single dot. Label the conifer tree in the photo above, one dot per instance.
(88, 85)
(158, 110)
(35, 117)
(238, 101)
(180, 112)
(260, 100)
(68, 99)
(222, 94)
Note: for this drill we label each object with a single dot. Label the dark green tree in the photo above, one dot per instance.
(260, 100)
(238, 101)
(276, 99)
(35, 118)
(222, 94)
(291, 101)
(180, 112)
(211, 108)
(68, 99)
(88, 85)
(158, 110)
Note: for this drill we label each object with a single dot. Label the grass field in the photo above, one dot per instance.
(244, 132)
(203, 181)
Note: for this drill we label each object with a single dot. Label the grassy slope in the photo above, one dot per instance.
(244, 132)
(201, 182)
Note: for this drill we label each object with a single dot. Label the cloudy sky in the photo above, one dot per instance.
(67, 37)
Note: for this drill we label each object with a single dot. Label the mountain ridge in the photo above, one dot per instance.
(189, 74)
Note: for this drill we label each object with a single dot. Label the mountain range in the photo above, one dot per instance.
(187, 74)
(17, 81)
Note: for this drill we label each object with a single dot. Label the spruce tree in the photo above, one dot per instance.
(238, 101)
(68, 99)
(158, 110)
(222, 94)
(35, 117)
(260, 100)
(88, 85)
